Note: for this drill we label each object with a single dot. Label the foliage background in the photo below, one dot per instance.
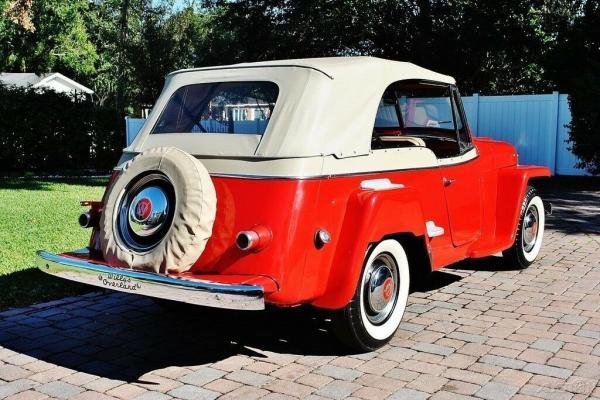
(48, 131)
(123, 48)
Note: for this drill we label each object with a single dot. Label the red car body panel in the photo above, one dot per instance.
(477, 203)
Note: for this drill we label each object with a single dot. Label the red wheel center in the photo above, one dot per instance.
(388, 288)
(143, 209)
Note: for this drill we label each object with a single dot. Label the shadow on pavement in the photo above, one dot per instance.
(121, 336)
(434, 281)
(575, 203)
(489, 264)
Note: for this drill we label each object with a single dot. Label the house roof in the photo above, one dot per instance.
(19, 79)
(25, 79)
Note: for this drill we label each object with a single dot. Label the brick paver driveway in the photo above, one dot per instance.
(478, 329)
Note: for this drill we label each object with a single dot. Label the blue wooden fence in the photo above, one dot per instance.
(132, 127)
(535, 124)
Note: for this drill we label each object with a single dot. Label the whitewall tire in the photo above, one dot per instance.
(530, 231)
(373, 315)
(533, 229)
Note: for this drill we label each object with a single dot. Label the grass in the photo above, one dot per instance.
(40, 214)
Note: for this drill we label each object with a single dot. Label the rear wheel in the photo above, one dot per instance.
(373, 315)
(530, 231)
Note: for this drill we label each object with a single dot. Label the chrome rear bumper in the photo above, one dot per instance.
(199, 292)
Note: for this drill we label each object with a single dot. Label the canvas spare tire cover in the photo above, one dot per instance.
(159, 213)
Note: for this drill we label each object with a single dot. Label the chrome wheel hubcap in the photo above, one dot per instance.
(148, 211)
(530, 228)
(380, 288)
(145, 212)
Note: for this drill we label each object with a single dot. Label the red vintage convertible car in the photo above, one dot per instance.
(328, 182)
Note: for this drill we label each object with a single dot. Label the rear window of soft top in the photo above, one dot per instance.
(219, 108)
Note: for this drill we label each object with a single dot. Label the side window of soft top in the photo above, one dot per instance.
(421, 114)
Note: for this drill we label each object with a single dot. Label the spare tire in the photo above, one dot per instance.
(159, 213)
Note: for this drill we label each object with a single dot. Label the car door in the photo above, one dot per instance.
(462, 182)
(432, 114)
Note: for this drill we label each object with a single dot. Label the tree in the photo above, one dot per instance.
(276, 29)
(165, 42)
(574, 64)
(124, 48)
(140, 41)
(46, 35)
(19, 12)
(113, 23)
(489, 46)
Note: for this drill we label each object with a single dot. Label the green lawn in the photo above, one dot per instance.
(40, 214)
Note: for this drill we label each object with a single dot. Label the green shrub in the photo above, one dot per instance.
(574, 64)
(584, 134)
(42, 131)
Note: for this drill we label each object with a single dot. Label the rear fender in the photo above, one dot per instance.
(370, 216)
(512, 184)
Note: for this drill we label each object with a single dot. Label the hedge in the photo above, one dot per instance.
(45, 132)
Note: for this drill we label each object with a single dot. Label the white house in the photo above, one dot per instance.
(54, 81)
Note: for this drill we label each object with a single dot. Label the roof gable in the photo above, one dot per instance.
(55, 81)
(63, 80)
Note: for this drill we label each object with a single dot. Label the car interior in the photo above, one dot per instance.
(420, 114)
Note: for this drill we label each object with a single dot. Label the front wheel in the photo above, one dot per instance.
(372, 317)
(530, 231)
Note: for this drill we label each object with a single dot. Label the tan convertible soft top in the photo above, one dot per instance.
(326, 106)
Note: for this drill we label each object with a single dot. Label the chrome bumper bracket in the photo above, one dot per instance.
(198, 292)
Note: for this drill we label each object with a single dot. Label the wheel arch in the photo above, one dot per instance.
(367, 222)
(417, 252)
(512, 187)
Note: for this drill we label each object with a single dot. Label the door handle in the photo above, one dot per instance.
(447, 181)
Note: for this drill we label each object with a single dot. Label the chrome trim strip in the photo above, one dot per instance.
(198, 292)
(317, 176)
(323, 176)
(467, 157)
(234, 66)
